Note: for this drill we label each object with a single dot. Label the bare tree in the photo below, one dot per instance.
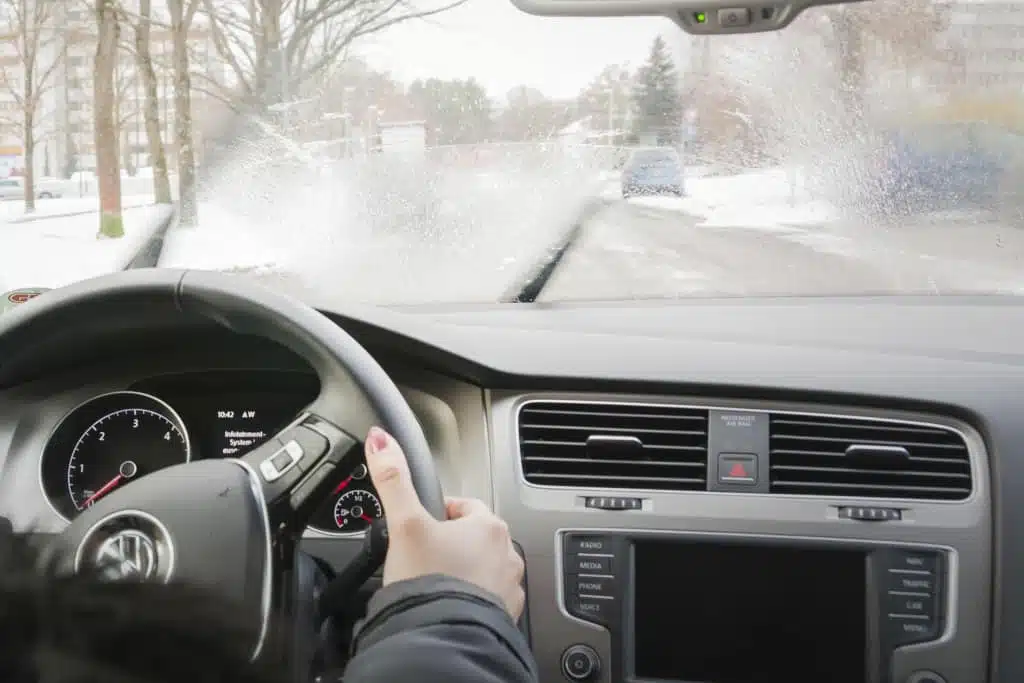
(108, 166)
(273, 47)
(182, 12)
(906, 29)
(38, 56)
(140, 45)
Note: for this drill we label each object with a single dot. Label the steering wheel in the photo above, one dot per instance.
(230, 524)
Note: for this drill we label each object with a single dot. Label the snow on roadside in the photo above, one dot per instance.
(57, 251)
(759, 200)
(14, 211)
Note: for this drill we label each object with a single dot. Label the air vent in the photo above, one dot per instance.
(835, 456)
(609, 445)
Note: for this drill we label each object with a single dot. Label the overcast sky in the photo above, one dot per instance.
(503, 47)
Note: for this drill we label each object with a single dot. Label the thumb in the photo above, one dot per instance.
(389, 472)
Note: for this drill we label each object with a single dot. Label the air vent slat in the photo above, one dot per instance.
(818, 456)
(644, 446)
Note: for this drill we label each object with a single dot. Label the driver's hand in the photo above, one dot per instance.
(473, 545)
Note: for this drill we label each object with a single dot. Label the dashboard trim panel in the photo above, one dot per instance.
(961, 529)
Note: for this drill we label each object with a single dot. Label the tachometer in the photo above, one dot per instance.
(119, 447)
(106, 443)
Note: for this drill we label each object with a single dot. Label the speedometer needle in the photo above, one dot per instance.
(341, 487)
(103, 490)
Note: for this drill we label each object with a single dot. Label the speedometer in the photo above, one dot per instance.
(106, 443)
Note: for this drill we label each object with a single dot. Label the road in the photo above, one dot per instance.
(637, 251)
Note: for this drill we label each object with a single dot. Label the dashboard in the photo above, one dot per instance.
(112, 438)
(720, 491)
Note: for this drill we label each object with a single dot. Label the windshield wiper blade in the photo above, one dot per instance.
(532, 286)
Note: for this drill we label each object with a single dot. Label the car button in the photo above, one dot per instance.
(906, 603)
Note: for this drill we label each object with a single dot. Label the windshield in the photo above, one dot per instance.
(462, 151)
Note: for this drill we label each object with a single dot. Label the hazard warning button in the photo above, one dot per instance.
(737, 468)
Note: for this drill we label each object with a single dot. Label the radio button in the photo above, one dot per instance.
(588, 564)
(588, 544)
(587, 585)
(905, 603)
(911, 581)
(602, 611)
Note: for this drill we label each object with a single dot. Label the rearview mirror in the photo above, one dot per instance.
(700, 17)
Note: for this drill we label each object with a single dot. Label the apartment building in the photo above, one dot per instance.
(64, 122)
(987, 39)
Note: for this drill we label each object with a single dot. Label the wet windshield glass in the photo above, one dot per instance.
(444, 151)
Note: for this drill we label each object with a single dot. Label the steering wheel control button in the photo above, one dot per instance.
(581, 663)
(277, 465)
(737, 468)
(913, 597)
(305, 493)
(925, 677)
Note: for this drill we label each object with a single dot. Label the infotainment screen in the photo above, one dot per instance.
(722, 613)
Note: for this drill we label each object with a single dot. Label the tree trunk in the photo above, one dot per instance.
(850, 49)
(151, 107)
(188, 212)
(108, 168)
(30, 151)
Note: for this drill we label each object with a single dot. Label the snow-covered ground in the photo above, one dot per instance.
(762, 199)
(14, 211)
(59, 250)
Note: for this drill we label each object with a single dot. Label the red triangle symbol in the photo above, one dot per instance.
(738, 470)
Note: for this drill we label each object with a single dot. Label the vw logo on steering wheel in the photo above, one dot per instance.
(127, 555)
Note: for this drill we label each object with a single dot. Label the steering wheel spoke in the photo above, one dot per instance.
(294, 467)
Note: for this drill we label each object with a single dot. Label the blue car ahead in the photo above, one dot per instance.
(657, 171)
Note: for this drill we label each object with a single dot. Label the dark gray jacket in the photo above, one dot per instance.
(436, 629)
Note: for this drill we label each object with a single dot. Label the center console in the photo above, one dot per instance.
(743, 610)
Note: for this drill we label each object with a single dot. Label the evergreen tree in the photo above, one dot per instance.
(656, 99)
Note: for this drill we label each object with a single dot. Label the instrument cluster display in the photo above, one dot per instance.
(112, 439)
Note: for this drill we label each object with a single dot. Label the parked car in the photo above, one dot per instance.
(654, 171)
(46, 188)
(948, 165)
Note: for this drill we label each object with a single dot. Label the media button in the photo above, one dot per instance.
(588, 544)
(592, 586)
(588, 564)
(602, 611)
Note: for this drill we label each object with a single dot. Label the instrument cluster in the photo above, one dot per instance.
(115, 438)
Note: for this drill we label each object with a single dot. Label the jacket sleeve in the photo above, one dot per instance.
(436, 629)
